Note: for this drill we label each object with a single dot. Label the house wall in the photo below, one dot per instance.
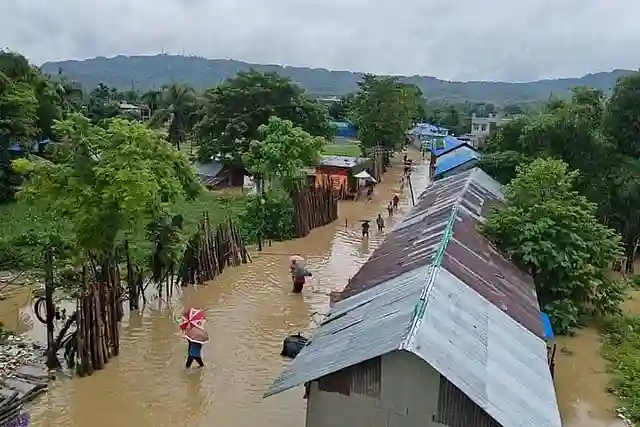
(395, 390)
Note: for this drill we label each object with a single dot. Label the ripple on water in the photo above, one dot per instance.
(250, 309)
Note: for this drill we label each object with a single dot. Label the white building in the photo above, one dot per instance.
(481, 127)
(436, 329)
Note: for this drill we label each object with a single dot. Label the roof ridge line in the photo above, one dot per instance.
(429, 280)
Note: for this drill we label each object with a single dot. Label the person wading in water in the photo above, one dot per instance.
(365, 228)
(380, 223)
(194, 353)
(299, 276)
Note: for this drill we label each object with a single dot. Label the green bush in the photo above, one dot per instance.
(621, 348)
(269, 216)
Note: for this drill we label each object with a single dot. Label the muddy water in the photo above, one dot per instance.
(581, 377)
(250, 311)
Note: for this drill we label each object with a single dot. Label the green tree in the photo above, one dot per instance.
(18, 119)
(339, 111)
(176, 105)
(102, 104)
(551, 230)
(283, 153)
(383, 110)
(151, 99)
(235, 110)
(110, 182)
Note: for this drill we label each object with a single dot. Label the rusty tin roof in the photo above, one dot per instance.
(437, 288)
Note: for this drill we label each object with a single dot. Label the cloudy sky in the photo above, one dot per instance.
(452, 39)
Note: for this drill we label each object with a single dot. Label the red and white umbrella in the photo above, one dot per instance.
(192, 325)
(192, 318)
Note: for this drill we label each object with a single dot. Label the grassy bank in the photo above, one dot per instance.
(24, 228)
(351, 150)
(621, 349)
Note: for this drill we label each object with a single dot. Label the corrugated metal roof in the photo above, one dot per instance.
(473, 315)
(342, 161)
(496, 362)
(370, 324)
(454, 158)
(209, 169)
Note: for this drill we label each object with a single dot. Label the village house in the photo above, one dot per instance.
(215, 175)
(341, 171)
(436, 329)
(481, 127)
(453, 160)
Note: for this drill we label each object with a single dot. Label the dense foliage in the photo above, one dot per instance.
(110, 183)
(621, 347)
(151, 72)
(553, 232)
(282, 154)
(235, 110)
(383, 110)
(594, 135)
(268, 216)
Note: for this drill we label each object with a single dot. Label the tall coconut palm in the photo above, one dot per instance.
(176, 105)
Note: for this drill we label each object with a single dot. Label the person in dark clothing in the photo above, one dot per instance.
(365, 228)
(380, 223)
(396, 200)
(194, 353)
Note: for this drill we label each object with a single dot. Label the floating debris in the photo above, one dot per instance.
(23, 376)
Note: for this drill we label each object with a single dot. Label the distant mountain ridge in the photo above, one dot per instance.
(152, 72)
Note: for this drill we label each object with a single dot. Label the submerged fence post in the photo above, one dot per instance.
(52, 359)
(413, 200)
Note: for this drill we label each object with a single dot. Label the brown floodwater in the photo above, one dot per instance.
(250, 309)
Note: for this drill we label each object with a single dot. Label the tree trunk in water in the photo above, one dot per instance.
(630, 255)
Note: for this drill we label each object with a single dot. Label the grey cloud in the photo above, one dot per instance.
(461, 40)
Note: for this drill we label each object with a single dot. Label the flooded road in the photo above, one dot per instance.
(250, 311)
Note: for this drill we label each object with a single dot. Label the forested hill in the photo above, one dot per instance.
(151, 72)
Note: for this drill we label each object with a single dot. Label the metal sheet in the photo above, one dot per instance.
(472, 258)
(368, 325)
(495, 361)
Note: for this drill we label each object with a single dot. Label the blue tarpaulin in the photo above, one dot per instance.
(345, 129)
(37, 146)
(548, 329)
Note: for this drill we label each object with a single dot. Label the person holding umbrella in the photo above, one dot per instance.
(299, 273)
(192, 327)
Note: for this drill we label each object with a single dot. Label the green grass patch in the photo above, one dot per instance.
(351, 150)
(621, 349)
(24, 228)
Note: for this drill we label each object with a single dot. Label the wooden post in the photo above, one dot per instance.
(413, 200)
(52, 359)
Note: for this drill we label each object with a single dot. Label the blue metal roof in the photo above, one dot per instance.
(449, 143)
(345, 129)
(16, 148)
(454, 158)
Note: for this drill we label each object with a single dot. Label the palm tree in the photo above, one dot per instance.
(176, 105)
(70, 94)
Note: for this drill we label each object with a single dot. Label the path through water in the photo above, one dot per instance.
(250, 309)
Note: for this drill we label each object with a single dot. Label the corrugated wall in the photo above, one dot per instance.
(455, 409)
